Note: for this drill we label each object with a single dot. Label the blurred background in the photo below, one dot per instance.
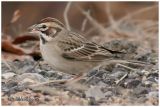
(99, 21)
(31, 12)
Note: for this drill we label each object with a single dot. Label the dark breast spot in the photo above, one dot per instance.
(43, 40)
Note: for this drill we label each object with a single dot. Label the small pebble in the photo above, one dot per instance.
(8, 75)
(153, 94)
(95, 92)
(132, 83)
(108, 94)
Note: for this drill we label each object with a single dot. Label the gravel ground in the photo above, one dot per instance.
(112, 84)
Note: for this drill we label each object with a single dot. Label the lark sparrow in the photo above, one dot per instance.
(68, 51)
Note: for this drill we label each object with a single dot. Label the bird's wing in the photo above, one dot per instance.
(76, 47)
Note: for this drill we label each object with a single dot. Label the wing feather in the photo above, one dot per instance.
(76, 47)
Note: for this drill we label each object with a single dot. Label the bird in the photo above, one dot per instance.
(68, 51)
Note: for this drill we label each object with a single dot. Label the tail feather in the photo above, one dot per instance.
(129, 62)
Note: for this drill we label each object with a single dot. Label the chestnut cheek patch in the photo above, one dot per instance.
(52, 31)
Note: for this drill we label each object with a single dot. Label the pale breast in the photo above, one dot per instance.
(52, 55)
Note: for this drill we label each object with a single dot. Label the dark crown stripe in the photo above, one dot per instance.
(49, 19)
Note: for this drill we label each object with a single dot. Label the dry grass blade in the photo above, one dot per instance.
(123, 77)
(136, 29)
(99, 27)
(114, 24)
(84, 22)
(127, 67)
(110, 17)
(65, 15)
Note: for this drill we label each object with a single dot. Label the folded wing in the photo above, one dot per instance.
(75, 47)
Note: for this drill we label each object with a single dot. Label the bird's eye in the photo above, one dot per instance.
(44, 26)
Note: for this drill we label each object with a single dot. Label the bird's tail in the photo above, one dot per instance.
(135, 62)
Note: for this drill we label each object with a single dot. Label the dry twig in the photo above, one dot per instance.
(99, 27)
(84, 22)
(126, 67)
(65, 15)
(110, 17)
(123, 77)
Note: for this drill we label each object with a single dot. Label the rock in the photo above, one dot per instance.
(153, 94)
(95, 92)
(119, 45)
(101, 84)
(94, 80)
(4, 67)
(45, 67)
(8, 75)
(52, 74)
(108, 94)
(147, 83)
(145, 72)
(45, 90)
(92, 72)
(26, 69)
(132, 83)
(140, 90)
(118, 73)
(31, 78)
(132, 75)
(92, 101)
(152, 79)
(147, 57)
(155, 74)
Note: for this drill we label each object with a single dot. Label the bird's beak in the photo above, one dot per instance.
(32, 28)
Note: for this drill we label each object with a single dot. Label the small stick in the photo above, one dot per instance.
(118, 81)
(113, 23)
(100, 28)
(65, 15)
(84, 22)
(126, 67)
(110, 17)
(51, 81)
